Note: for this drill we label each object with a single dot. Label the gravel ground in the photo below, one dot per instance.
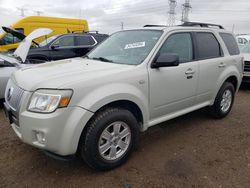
(191, 151)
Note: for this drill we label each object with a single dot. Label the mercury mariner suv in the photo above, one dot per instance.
(95, 106)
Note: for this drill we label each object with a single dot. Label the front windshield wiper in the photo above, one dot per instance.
(102, 59)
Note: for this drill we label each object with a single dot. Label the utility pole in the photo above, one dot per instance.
(122, 26)
(38, 13)
(186, 7)
(233, 28)
(171, 12)
(22, 10)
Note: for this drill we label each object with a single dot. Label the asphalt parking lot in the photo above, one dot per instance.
(191, 151)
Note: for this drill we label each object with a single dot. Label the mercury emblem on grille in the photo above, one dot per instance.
(10, 93)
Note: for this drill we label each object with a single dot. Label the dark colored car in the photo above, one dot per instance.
(65, 46)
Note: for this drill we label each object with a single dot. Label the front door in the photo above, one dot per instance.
(174, 88)
(63, 48)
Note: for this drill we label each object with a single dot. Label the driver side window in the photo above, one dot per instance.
(180, 44)
(65, 41)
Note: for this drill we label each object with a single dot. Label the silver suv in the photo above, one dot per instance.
(96, 106)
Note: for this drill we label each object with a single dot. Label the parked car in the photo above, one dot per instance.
(11, 62)
(246, 52)
(242, 40)
(96, 106)
(65, 46)
(28, 24)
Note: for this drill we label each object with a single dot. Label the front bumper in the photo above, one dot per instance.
(58, 132)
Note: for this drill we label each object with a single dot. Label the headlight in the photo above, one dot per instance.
(47, 101)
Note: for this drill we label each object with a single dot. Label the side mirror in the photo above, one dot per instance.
(54, 47)
(166, 60)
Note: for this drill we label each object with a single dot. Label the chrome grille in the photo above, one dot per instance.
(14, 100)
(247, 66)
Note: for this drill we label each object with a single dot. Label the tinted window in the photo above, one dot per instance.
(208, 46)
(65, 41)
(230, 43)
(180, 44)
(85, 40)
(100, 38)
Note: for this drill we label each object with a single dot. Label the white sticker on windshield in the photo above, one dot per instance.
(135, 45)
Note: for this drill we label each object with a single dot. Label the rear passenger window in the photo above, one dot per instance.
(85, 40)
(230, 43)
(208, 46)
(180, 44)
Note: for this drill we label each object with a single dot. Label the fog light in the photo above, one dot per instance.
(40, 136)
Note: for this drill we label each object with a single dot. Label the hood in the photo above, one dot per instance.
(246, 56)
(23, 48)
(65, 73)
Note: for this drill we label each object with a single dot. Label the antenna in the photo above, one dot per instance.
(22, 10)
(171, 12)
(186, 7)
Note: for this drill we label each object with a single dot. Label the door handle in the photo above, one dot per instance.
(222, 65)
(189, 72)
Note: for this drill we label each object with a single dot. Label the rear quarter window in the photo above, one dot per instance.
(230, 43)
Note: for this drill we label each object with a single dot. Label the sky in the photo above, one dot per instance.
(107, 15)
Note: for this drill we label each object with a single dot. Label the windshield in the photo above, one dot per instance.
(245, 49)
(48, 40)
(126, 47)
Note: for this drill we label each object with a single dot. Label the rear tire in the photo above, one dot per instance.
(109, 139)
(224, 101)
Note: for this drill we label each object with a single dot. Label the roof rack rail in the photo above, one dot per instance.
(96, 32)
(154, 26)
(192, 24)
(81, 31)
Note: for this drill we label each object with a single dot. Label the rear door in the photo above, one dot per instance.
(211, 64)
(84, 44)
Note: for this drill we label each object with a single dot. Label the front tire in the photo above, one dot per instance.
(109, 139)
(223, 101)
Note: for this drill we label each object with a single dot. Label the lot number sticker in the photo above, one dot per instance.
(135, 45)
